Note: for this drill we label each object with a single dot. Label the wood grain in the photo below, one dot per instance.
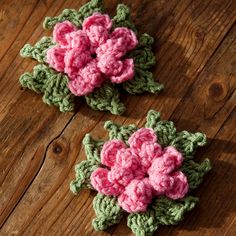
(39, 146)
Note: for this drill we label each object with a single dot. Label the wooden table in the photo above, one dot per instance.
(39, 146)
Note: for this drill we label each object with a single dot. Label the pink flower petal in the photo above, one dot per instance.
(120, 176)
(114, 47)
(161, 183)
(109, 65)
(55, 58)
(87, 79)
(97, 35)
(61, 30)
(127, 72)
(109, 151)
(143, 135)
(129, 38)
(100, 182)
(97, 19)
(75, 60)
(148, 152)
(137, 196)
(180, 186)
(79, 40)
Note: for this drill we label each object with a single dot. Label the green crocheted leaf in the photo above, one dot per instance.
(74, 16)
(83, 170)
(106, 98)
(143, 56)
(92, 148)
(119, 131)
(38, 51)
(187, 142)
(142, 82)
(170, 212)
(152, 118)
(143, 224)
(52, 84)
(195, 172)
(122, 18)
(107, 212)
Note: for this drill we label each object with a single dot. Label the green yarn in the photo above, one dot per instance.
(123, 18)
(83, 171)
(74, 16)
(107, 210)
(187, 142)
(195, 172)
(162, 210)
(170, 212)
(119, 131)
(106, 98)
(39, 50)
(144, 59)
(92, 148)
(52, 84)
(144, 223)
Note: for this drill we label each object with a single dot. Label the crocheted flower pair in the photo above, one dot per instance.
(88, 55)
(147, 172)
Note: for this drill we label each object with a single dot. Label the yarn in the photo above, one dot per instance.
(148, 180)
(128, 167)
(53, 85)
(86, 35)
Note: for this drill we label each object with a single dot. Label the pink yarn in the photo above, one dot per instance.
(180, 186)
(99, 180)
(76, 49)
(60, 32)
(137, 196)
(109, 151)
(137, 173)
(55, 57)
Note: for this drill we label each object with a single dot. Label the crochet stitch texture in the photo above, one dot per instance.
(147, 172)
(91, 51)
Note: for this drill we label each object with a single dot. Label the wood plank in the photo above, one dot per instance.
(188, 32)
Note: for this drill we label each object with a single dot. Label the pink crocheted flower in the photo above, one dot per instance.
(79, 49)
(137, 173)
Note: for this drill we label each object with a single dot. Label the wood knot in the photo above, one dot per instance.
(217, 91)
(57, 148)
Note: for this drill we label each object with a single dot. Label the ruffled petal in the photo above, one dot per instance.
(169, 161)
(75, 60)
(137, 196)
(180, 186)
(148, 152)
(61, 30)
(127, 72)
(143, 135)
(120, 176)
(128, 36)
(97, 35)
(109, 151)
(109, 65)
(161, 183)
(100, 182)
(78, 40)
(113, 47)
(97, 19)
(55, 58)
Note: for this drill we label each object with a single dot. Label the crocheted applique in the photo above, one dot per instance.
(93, 53)
(147, 172)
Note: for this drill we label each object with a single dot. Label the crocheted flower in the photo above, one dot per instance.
(91, 54)
(148, 172)
(137, 173)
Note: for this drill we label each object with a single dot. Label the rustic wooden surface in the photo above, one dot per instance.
(39, 146)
